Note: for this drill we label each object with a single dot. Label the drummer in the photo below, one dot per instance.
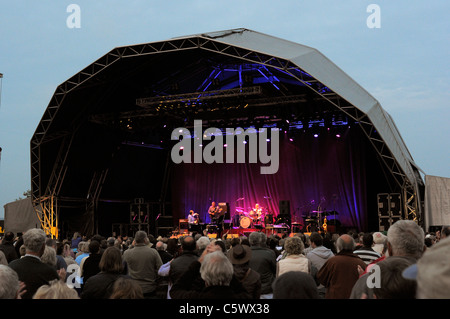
(256, 213)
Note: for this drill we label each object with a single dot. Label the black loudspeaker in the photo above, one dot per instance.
(285, 207)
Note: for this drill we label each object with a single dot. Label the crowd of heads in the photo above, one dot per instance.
(411, 263)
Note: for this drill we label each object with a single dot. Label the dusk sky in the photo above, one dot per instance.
(403, 63)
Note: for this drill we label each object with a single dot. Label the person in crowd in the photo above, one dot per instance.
(318, 257)
(379, 243)
(90, 266)
(173, 247)
(7, 246)
(445, 232)
(68, 254)
(340, 272)
(319, 253)
(10, 285)
(366, 252)
(216, 272)
(295, 285)
(18, 243)
(126, 288)
(100, 286)
(431, 273)
(49, 256)
(60, 262)
(56, 289)
(165, 256)
(83, 251)
(263, 261)
(202, 243)
(240, 256)
(3, 260)
(181, 263)
(30, 269)
(75, 241)
(143, 263)
(294, 259)
(391, 284)
(406, 240)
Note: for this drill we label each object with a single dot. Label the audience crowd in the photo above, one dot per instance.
(403, 262)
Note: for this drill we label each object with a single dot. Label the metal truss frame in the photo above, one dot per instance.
(46, 197)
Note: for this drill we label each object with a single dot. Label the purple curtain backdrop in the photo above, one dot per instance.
(326, 171)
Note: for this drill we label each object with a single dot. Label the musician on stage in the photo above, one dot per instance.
(193, 218)
(213, 212)
(256, 213)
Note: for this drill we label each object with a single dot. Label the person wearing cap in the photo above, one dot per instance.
(432, 272)
(239, 256)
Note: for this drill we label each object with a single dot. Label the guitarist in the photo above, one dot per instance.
(214, 213)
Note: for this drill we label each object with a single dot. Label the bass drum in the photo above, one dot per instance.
(245, 222)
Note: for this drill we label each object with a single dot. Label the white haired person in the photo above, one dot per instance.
(215, 270)
(30, 269)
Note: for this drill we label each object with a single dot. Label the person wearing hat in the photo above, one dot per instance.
(239, 256)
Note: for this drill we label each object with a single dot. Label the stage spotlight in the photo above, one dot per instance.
(338, 135)
(316, 135)
(225, 145)
(267, 139)
(291, 139)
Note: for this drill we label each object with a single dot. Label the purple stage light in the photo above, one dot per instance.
(316, 135)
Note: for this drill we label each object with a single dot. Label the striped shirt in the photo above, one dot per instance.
(367, 254)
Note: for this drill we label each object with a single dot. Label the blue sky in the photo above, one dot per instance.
(403, 64)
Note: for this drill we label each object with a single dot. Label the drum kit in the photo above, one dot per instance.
(251, 218)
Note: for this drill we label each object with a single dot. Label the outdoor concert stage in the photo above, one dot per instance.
(102, 160)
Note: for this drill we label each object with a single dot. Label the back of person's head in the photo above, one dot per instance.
(188, 243)
(235, 241)
(50, 242)
(295, 285)
(140, 237)
(159, 245)
(406, 238)
(257, 239)
(202, 242)
(111, 261)
(294, 246)
(57, 289)
(94, 247)
(345, 243)
(221, 244)
(316, 238)
(49, 256)
(59, 248)
(9, 280)
(445, 232)
(126, 288)
(367, 239)
(34, 240)
(392, 284)
(9, 236)
(216, 269)
(433, 272)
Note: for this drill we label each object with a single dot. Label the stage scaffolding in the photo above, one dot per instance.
(317, 74)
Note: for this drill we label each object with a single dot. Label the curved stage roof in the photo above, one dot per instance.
(126, 93)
